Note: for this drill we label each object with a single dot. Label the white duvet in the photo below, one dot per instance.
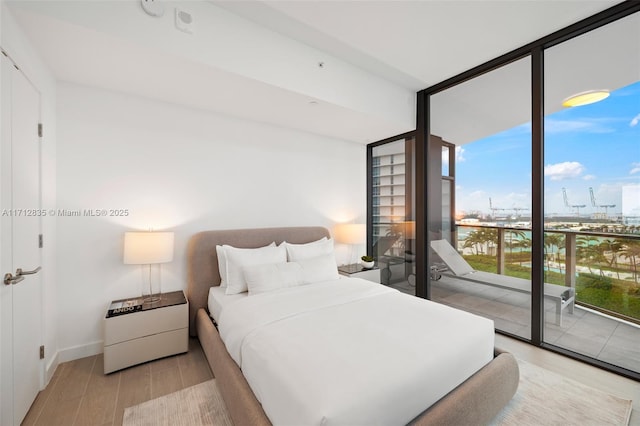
(351, 352)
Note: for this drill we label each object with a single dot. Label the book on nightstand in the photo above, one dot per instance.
(121, 307)
(136, 304)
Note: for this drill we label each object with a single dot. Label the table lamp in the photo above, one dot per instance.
(148, 248)
(350, 234)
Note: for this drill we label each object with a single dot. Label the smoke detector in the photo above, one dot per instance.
(152, 7)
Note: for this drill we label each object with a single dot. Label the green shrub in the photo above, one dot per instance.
(585, 280)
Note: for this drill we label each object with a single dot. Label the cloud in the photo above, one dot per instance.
(635, 167)
(634, 122)
(478, 194)
(588, 177)
(579, 125)
(566, 170)
(459, 155)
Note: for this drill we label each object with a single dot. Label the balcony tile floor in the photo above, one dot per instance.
(598, 336)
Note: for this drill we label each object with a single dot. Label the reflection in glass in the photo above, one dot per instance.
(393, 214)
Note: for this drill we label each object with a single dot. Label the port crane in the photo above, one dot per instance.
(494, 209)
(575, 206)
(518, 210)
(604, 206)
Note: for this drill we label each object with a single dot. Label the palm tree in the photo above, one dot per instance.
(473, 241)
(478, 238)
(517, 235)
(551, 240)
(524, 243)
(589, 250)
(631, 250)
(614, 246)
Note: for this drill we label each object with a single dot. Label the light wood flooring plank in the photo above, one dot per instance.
(60, 413)
(98, 406)
(80, 393)
(135, 387)
(66, 394)
(73, 379)
(41, 400)
(165, 382)
(168, 363)
(194, 366)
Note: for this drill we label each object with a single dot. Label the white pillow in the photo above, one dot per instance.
(321, 268)
(222, 263)
(296, 252)
(237, 258)
(273, 276)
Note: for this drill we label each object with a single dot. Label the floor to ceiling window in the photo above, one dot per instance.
(507, 204)
(484, 127)
(592, 190)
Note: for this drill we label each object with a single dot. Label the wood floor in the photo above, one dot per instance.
(81, 394)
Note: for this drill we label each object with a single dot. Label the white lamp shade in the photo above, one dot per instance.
(350, 233)
(145, 248)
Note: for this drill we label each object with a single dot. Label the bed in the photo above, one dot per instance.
(476, 400)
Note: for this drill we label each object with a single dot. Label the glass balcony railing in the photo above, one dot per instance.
(600, 263)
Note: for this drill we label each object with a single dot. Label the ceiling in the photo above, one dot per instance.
(417, 43)
(389, 48)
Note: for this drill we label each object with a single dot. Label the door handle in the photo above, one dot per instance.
(20, 272)
(10, 279)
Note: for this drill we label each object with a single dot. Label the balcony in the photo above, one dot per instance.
(602, 268)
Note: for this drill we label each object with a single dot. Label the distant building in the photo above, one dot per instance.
(389, 187)
(631, 204)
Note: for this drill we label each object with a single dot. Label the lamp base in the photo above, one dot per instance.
(152, 298)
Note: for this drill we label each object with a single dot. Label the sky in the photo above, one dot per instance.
(596, 145)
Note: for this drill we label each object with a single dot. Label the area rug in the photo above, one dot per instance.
(543, 398)
(547, 398)
(197, 405)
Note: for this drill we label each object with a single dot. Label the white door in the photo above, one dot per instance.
(21, 222)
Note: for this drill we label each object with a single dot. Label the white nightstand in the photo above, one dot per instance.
(357, 271)
(153, 331)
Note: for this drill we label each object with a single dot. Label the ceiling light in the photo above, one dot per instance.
(585, 98)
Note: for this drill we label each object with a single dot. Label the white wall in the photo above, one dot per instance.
(184, 170)
(17, 46)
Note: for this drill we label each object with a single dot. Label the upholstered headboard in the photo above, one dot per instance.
(202, 261)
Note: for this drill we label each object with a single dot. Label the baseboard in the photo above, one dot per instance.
(50, 369)
(80, 351)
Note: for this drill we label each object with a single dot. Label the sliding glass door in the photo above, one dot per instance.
(484, 128)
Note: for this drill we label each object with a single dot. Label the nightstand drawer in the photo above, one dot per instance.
(143, 349)
(139, 324)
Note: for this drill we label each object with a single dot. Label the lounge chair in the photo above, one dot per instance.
(562, 296)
